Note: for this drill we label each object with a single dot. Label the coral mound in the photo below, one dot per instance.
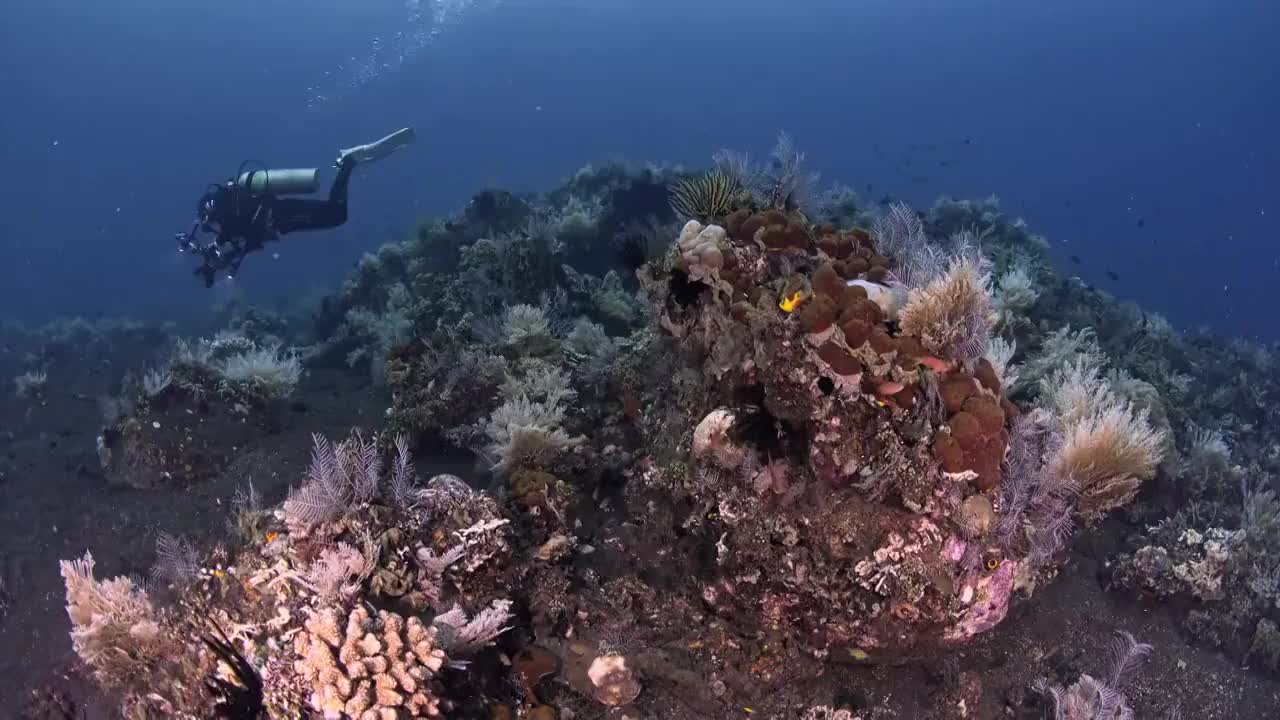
(850, 435)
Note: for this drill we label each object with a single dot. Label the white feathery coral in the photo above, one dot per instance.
(952, 315)
(265, 369)
(1109, 446)
(1000, 354)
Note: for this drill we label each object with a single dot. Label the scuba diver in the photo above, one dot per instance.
(250, 210)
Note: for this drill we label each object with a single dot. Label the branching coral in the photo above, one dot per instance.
(374, 668)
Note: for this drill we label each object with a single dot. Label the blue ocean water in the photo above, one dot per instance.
(1139, 137)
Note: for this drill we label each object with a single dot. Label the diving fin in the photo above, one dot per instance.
(377, 149)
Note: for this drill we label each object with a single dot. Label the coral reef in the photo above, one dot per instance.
(783, 435)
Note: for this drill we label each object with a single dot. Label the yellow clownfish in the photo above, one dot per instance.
(791, 302)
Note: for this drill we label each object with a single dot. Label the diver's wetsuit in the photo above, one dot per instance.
(243, 221)
(308, 214)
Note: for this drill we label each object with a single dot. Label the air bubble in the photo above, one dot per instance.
(421, 22)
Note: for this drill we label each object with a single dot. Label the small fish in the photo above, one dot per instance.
(968, 141)
(1074, 258)
(935, 364)
(791, 302)
(1142, 222)
(1113, 276)
(889, 388)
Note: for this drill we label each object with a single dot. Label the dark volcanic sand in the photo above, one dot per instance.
(54, 505)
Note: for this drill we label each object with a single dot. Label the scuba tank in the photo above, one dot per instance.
(295, 181)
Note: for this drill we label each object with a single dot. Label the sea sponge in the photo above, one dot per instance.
(744, 228)
(987, 411)
(986, 374)
(949, 452)
(834, 244)
(826, 281)
(909, 352)
(1011, 411)
(974, 441)
(858, 307)
(839, 359)
(856, 332)
(967, 430)
(860, 238)
(956, 389)
(853, 268)
(778, 232)
(818, 314)
(881, 342)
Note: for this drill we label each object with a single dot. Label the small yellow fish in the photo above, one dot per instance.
(791, 302)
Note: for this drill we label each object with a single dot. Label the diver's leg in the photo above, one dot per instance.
(307, 214)
(377, 149)
(302, 214)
